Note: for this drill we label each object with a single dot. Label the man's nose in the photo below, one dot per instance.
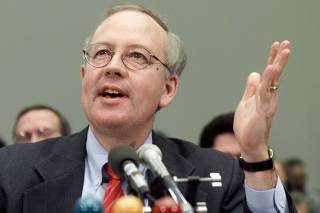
(116, 67)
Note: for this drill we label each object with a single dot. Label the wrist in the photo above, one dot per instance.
(262, 163)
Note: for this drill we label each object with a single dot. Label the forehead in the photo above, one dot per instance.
(37, 119)
(128, 28)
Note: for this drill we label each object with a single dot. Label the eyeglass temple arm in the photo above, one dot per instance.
(166, 66)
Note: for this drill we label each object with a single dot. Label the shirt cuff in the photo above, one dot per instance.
(268, 201)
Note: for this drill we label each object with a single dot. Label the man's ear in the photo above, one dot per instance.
(82, 71)
(170, 91)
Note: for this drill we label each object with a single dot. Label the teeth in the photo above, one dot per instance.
(114, 93)
(110, 91)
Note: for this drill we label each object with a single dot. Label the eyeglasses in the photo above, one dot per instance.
(41, 133)
(134, 58)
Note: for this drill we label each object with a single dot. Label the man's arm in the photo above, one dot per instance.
(254, 114)
(272, 200)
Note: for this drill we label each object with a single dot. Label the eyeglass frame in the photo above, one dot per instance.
(86, 56)
(47, 132)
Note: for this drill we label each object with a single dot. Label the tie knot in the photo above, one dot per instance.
(111, 173)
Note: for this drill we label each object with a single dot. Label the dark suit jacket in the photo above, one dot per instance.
(47, 177)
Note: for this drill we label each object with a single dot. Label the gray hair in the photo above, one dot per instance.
(176, 57)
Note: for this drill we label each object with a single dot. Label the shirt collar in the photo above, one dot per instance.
(97, 156)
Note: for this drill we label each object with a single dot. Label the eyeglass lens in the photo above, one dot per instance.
(41, 133)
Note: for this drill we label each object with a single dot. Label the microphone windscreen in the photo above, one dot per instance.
(128, 204)
(149, 149)
(119, 155)
(151, 156)
(88, 205)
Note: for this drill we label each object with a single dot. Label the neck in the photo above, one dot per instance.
(115, 137)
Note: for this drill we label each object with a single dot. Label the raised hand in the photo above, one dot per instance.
(254, 114)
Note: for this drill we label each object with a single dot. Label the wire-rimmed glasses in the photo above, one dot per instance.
(135, 58)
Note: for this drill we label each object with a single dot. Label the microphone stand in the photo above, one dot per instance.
(193, 184)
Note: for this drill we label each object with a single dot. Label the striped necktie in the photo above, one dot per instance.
(113, 190)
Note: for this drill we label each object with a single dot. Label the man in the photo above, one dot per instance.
(296, 175)
(297, 183)
(132, 70)
(38, 122)
(218, 134)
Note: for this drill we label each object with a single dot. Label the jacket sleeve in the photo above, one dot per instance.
(1, 203)
(235, 195)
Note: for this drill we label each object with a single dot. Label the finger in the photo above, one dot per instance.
(251, 85)
(280, 65)
(267, 98)
(267, 79)
(273, 52)
(283, 46)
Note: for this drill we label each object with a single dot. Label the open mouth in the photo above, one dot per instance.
(112, 93)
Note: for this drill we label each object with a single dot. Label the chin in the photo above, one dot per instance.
(112, 123)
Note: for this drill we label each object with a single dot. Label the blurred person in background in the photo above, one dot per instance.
(38, 122)
(297, 183)
(294, 168)
(300, 201)
(218, 134)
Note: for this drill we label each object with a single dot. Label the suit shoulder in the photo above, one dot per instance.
(29, 154)
(205, 159)
(189, 149)
(23, 153)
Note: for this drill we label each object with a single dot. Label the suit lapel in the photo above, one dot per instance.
(62, 173)
(179, 166)
(176, 164)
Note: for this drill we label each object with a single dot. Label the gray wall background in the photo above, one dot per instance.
(41, 43)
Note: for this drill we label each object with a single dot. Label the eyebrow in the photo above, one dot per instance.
(112, 46)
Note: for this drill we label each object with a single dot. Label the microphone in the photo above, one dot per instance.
(166, 205)
(128, 204)
(124, 162)
(88, 205)
(151, 156)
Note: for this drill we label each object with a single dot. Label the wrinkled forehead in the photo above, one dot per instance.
(38, 118)
(127, 28)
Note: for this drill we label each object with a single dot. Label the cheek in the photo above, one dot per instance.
(152, 92)
(88, 84)
(86, 94)
(84, 90)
